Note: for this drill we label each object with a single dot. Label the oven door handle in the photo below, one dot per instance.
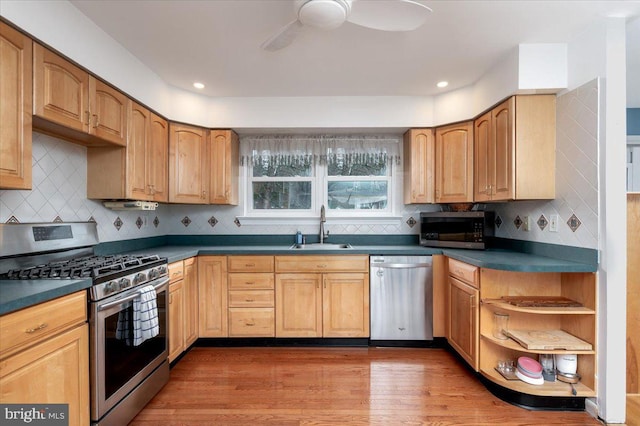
(163, 282)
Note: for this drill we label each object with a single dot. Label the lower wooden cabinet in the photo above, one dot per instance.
(463, 320)
(212, 296)
(176, 319)
(322, 296)
(52, 365)
(190, 301)
(183, 306)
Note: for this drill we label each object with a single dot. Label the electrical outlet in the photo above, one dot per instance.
(526, 224)
(553, 223)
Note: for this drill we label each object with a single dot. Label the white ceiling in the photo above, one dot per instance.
(218, 43)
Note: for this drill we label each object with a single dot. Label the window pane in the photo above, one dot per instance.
(281, 195)
(341, 164)
(364, 195)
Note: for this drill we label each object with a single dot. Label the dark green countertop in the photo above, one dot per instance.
(16, 295)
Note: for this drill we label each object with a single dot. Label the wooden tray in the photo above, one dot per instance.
(541, 301)
(548, 340)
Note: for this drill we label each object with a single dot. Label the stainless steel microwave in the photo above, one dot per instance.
(468, 230)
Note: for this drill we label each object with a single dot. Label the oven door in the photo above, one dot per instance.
(117, 365)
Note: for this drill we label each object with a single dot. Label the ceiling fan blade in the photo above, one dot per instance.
(389, 15)
(284, 37)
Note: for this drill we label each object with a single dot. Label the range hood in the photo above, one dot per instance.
(130, 205)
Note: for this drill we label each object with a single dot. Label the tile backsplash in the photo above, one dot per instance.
(60, 183)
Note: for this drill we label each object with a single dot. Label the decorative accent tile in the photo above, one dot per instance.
(186, 221)
(542, 222)
(574, 223)
(91, 219)
(118, 223)
(212, 221)
(498, 221)
(13, 219)
(156, 222)
(58, 220)
(411, 222)
(139, 222)
(237, 222)
(517, 222)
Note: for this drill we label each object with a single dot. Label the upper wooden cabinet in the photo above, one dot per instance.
(188, 164)
(419, 152)
(454, 163)
(224, 163)
(16, 99)
(69, 99)
(512, 142)
(137, 172)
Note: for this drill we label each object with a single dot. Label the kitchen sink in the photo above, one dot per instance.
(318, 246)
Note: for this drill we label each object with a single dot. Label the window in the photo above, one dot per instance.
(289, 175)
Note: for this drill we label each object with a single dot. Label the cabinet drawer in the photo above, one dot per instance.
(251, 281)
(250, 264)
(251, 322)
(464, 272)
(313, 263)
(176, 271)
(31, 325)
(251, 298)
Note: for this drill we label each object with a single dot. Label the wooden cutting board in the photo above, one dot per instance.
(548, 340)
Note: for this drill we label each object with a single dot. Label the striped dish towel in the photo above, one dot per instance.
(145, 316)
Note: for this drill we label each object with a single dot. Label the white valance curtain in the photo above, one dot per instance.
(313, 149)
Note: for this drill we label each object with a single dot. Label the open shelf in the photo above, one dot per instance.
(515, 346)
(502, 305)
(556, 388)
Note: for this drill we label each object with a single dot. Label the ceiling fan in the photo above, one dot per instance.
(385, 15)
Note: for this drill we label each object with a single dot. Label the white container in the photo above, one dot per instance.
(567, 363)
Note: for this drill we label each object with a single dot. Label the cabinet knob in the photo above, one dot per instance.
(96, 121)
(88, 114)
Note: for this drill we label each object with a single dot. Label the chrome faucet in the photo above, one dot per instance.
(323, 219)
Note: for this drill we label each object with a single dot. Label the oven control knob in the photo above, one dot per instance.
(123, 283)
(140, 277)
(153, 274)
(162, 270)
(110, 287)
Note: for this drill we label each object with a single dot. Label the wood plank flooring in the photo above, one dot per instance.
(333, 386)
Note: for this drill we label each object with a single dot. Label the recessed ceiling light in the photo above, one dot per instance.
(198, 85)
(442, 84)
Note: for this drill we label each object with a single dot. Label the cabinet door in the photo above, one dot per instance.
(139, 133)
(463, 320)
(158, 159)
(454, 163)
(503, 135)
(188, 160)
(61, 90)
(55, 371)
(298, 305)
(176, 319)
(345, 299)
(212, 296)
(16, 100)
(190, 302)
(483, 158)
(223, 184)
(419, 151)
(109, 109)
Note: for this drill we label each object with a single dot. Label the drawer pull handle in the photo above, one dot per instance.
(322, 266)
(250, 265)
(176, 273)
(249, 282)
(34, 329)
(248, 300)
(250, 324)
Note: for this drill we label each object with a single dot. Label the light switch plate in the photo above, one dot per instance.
(553, 223)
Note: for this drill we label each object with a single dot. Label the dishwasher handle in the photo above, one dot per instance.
(401, 265)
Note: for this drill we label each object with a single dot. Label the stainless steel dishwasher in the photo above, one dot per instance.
(401, 298)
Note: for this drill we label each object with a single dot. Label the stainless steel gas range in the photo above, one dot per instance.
(128, 309)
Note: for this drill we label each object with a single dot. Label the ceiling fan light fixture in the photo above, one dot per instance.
(324, 14)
